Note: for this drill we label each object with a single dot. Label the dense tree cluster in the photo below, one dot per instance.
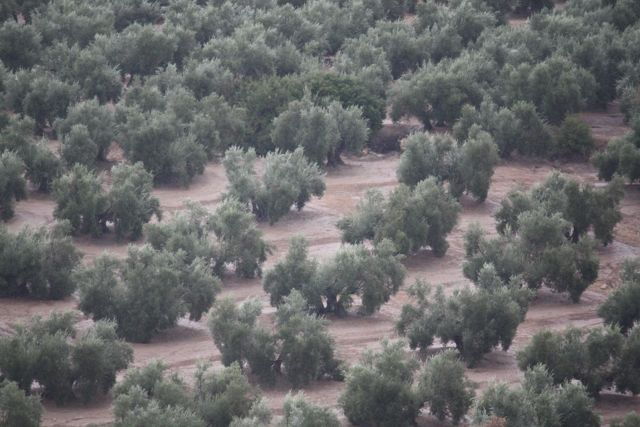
(146, 293)
(37, 263)
(128, 205)
(412, 218)
(372, 275)
(64, 363)
(467, 167)
(229, 236)
(394, 378)
(300, 347)
(288, 179)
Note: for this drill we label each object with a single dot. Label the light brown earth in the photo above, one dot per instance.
(185, 345)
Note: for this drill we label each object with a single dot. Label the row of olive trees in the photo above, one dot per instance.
(65, 364)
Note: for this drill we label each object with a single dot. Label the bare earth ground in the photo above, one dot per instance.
(185, 345)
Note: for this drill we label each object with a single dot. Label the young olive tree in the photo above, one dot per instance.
(288, 179)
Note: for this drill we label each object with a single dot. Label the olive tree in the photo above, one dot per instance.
(410, 218)
(227, 236)
(241, 242)
(373, 275)
(130, 202)
(574, 138)
(98, 121)
(518, 128)
(146, 293)
(590, 357)
(330, 287)
(443, 386)
(621, 157)
(582, 206)
(37, 263)
(622, 306)
(539, 253)
(538, 402)
(149, 396)
(468, 167)
(296, 271)
(288, 179)
(386, 376)
(78, 147)
(20, 45)
(298, 411)
(17, 408)
(300, 344)
(428, 155)
(65, 366)
(13, 186)
(323, 132)
(158, 139)
(81, 200)
(476, 321)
